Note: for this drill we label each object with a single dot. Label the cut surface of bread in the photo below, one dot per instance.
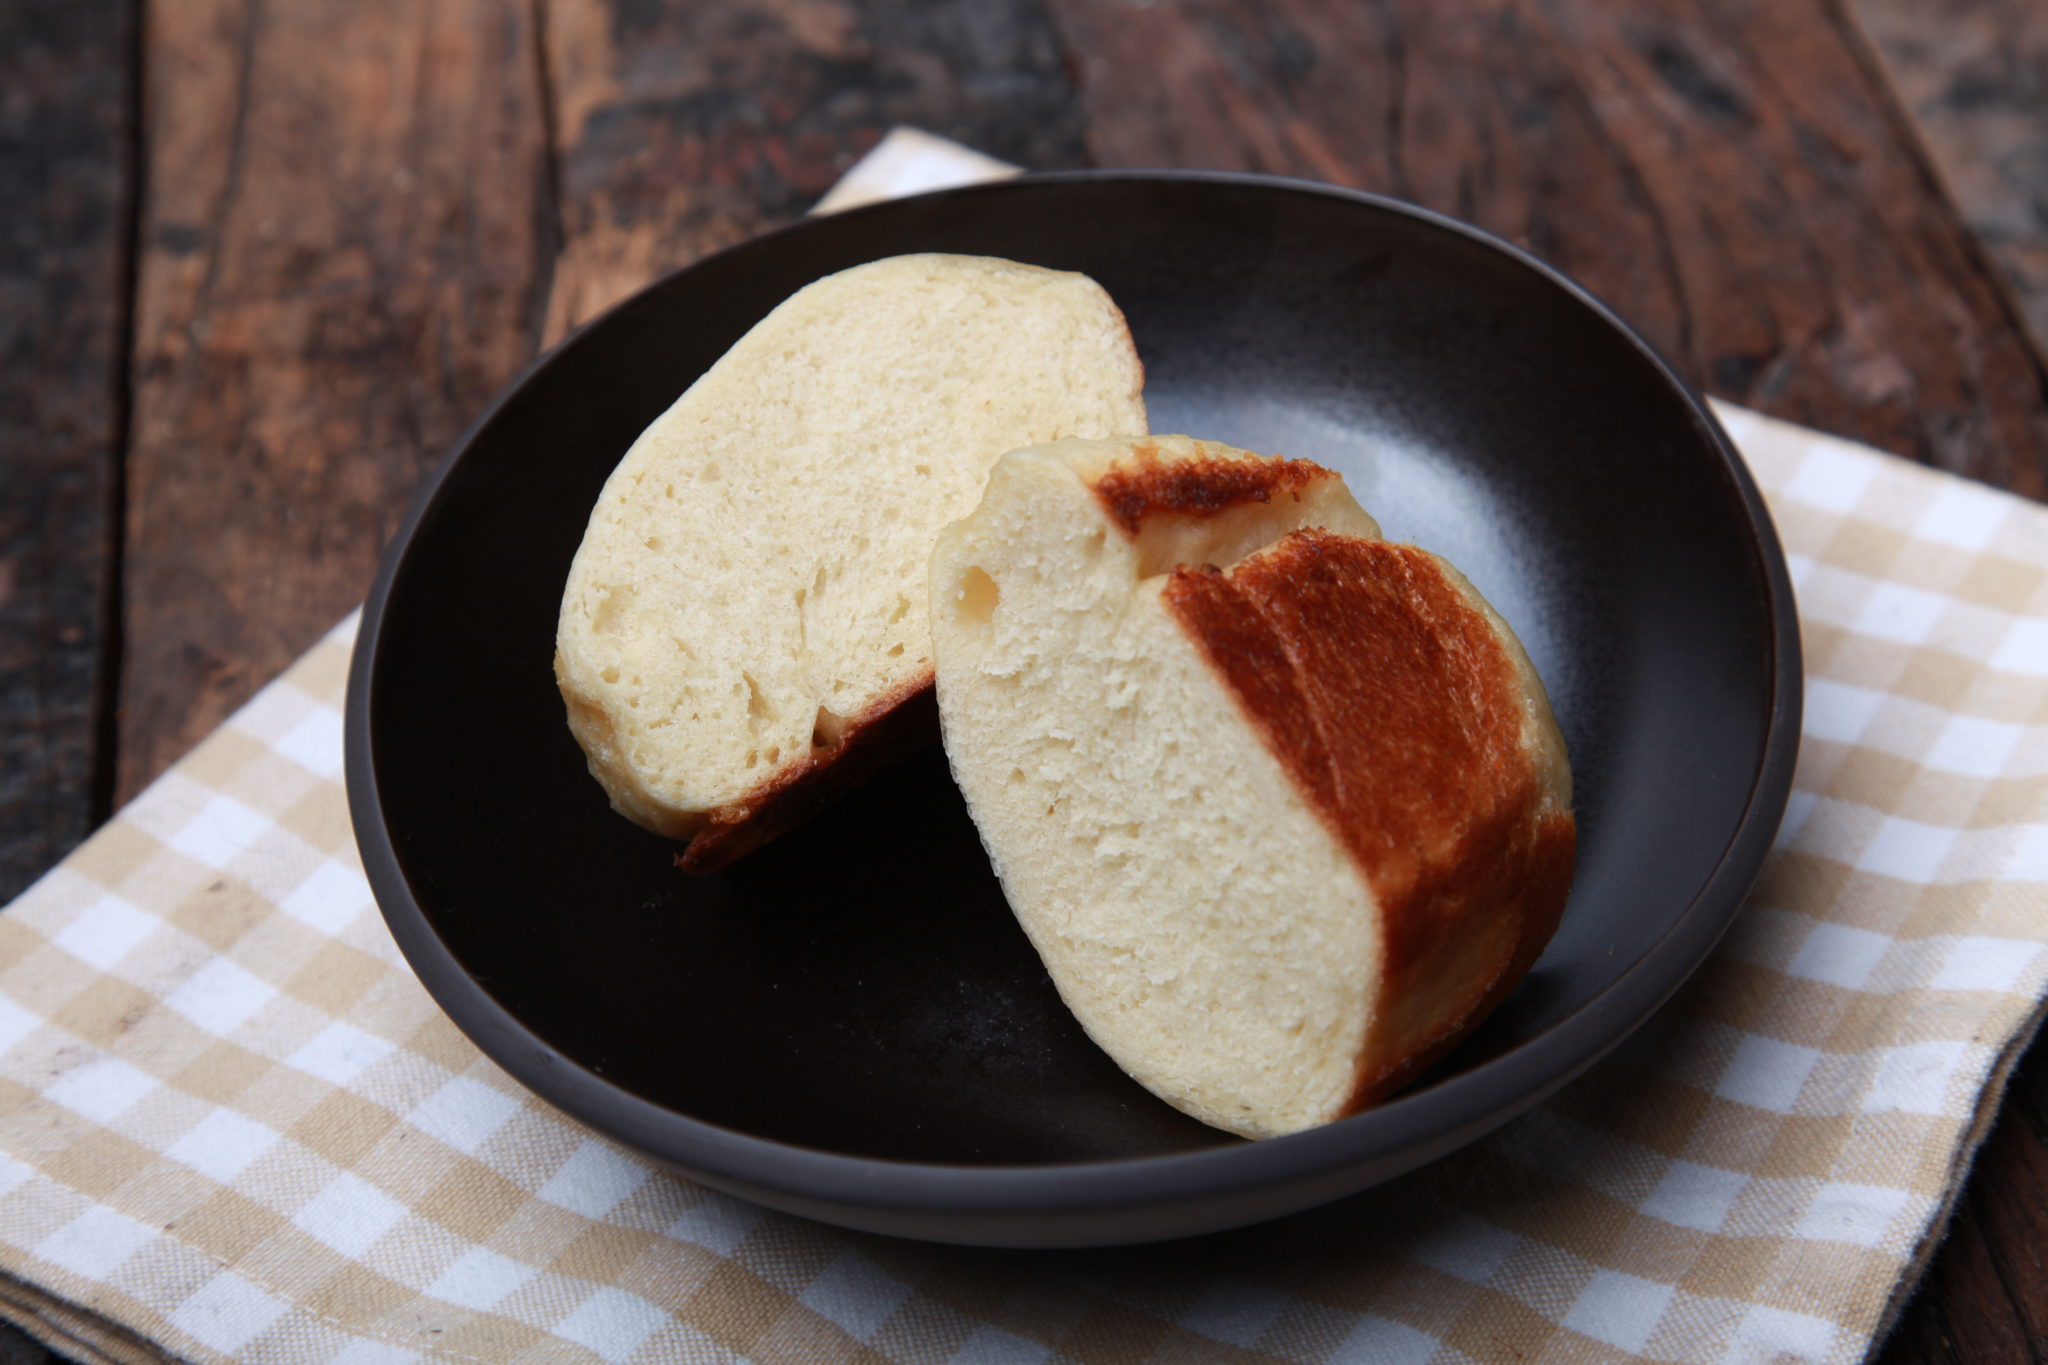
(1280, 803)
(748, 609)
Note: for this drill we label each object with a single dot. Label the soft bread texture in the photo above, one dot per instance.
(1280, 803)
(745, 627)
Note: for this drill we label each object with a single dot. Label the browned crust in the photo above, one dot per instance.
(1146, 485)
(1397, 711)
(901, 724)
(1529, 864)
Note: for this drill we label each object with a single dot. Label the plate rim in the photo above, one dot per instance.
(882, 1193)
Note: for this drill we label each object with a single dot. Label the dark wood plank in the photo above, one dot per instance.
(685, 128)
(64, 173)
(67, 67)
(19, 1348)
(344, 254)
(1732, 176)
(1973, 76)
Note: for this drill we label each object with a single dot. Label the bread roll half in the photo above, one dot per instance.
(1280, 803)
(745, 622)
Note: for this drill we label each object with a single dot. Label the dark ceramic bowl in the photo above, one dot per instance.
(849, 1024)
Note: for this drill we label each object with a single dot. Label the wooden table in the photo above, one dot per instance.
(262, 260)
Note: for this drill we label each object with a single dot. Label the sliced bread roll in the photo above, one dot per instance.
(744, 629)
(1280, 803)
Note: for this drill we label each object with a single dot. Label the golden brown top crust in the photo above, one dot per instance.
(1146, 485)
(1397, 711)
(1384, 692)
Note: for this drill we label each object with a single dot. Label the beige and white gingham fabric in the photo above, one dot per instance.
(234, 1127)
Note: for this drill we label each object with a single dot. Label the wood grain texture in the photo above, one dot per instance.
(1973, 75)
(686, 128)
(343, 257)
(64, 169)
(1732, 176)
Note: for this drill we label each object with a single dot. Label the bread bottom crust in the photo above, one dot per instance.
(890, 731)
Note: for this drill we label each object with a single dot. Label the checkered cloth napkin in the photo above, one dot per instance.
(233, 1126)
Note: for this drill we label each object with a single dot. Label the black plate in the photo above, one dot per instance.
(849, 1024)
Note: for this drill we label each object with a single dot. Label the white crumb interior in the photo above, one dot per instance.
(1195, 914)
(753, 577)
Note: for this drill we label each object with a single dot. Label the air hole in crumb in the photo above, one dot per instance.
(653, 543)
(753, 757)
(759, 712)
(709, 473)
(611, 675)
(828, 729)
(895, 649)
(976, 596)
(902, 609)
(923, 469)
(775, 754)
(606, 620)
